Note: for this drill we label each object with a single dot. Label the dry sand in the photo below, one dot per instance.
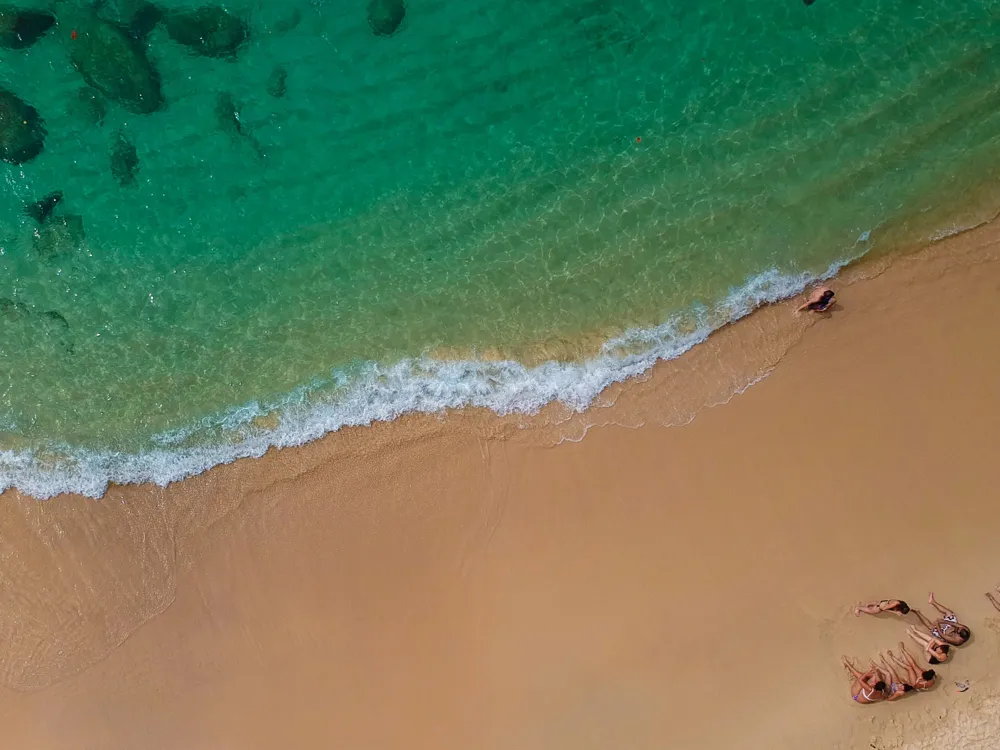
(454, 584)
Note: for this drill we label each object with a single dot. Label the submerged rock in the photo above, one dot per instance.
(386, 16)
(55, 319)
(22, 130)
(58, 237)
(89, 106)
(41, 210)
(57, 325)
(276, 82)
(20, 29)
(287, 22)
(116, 64)
(12, 311)
(144, 18)
(227, 114)
(124, 159)
(210, 31)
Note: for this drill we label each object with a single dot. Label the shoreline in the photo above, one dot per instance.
(377, 394)
(549, 378)
(477, 587)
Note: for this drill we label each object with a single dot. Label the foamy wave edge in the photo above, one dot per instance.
(382, 393)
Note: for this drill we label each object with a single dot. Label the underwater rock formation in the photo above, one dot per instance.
(276, 82)
(41, 210)
(22, 130)
(386, 16)
(124, 159)
(59, 237)
(144, 17)
(210, 31)
(55, 324)
(19, 29)
(56, 236)
(116, 64)
(227, 114)
(12, 311)
(88, 105)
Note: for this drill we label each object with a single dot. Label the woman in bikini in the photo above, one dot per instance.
(935, 648)
(897, 687)
(919, 679)
(896, 606)
(947, 627)
(867, 687)
(819, 301)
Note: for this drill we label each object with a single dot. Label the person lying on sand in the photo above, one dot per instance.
(919, 679)
(897, 687)
(897, 606)
(947, 627)
(993, 599)
(819, 300)
(935, 648)
(867, 687)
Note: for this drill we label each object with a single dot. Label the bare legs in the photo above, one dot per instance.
(889, 670)
(874, 608)
(912, 669)
(855, 672)
(923, 620)
(930, 644)
(943, 610)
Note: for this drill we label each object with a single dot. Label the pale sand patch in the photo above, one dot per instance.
(435, 584)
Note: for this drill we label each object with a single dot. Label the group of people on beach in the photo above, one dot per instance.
(881, 682)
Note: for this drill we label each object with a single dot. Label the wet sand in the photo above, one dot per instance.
(454, 583)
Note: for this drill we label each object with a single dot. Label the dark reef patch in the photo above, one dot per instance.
(210, 31)
(386, 16)
(22, 129)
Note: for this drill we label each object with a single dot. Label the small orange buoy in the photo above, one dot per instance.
(639, 139)
(73, 34)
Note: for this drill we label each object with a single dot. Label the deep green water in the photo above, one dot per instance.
(493, 175)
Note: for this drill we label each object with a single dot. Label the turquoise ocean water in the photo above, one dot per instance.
(329, 225)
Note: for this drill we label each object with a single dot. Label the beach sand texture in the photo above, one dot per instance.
(454, 583)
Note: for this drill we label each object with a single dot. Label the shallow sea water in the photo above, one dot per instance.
(493, 178)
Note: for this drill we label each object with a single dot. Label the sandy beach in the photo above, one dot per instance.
(458, 583)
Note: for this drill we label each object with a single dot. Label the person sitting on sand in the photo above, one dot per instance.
(897, 606)
(819, 301)
(935, 648)
(897, 687)
(947, 627)
(919, 679)
(993, 599)
(867, 687)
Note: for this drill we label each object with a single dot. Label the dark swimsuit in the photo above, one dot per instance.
(821, 305)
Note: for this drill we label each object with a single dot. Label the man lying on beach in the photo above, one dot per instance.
(919, 679)
(947, 628)
(867, 687)
(935, 648)
(993, 599)
(897, 606)
(820, 299)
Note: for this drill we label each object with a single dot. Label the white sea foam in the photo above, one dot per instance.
(375, 393)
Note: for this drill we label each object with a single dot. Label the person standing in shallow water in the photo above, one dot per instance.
(819, 300)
